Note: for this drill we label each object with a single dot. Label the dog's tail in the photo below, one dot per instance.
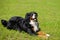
(4, 23)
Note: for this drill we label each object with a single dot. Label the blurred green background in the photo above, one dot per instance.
(48, 17)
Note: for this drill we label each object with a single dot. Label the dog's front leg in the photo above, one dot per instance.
(30, 32)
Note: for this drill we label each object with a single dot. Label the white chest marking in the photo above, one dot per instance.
(34, 24)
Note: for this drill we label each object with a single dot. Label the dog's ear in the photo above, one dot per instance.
(27, 17)
(27, 14)
(36, 14)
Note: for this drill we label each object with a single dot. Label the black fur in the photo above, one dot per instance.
(19, 23)
(4, 22)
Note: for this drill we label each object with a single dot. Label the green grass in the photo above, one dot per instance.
(48, 17)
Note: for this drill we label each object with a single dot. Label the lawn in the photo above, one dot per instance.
(48, 17)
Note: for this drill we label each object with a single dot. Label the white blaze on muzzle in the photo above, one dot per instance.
(33, 16)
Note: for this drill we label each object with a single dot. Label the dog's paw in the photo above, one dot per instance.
(43, 35)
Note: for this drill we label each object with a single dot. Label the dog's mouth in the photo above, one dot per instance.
(32, 18)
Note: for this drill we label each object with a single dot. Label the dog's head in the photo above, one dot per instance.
(31, 15)
(32, 18)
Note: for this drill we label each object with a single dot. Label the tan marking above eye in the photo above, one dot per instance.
(30, 18)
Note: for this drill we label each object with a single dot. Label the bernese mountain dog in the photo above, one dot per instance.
(29, 24)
